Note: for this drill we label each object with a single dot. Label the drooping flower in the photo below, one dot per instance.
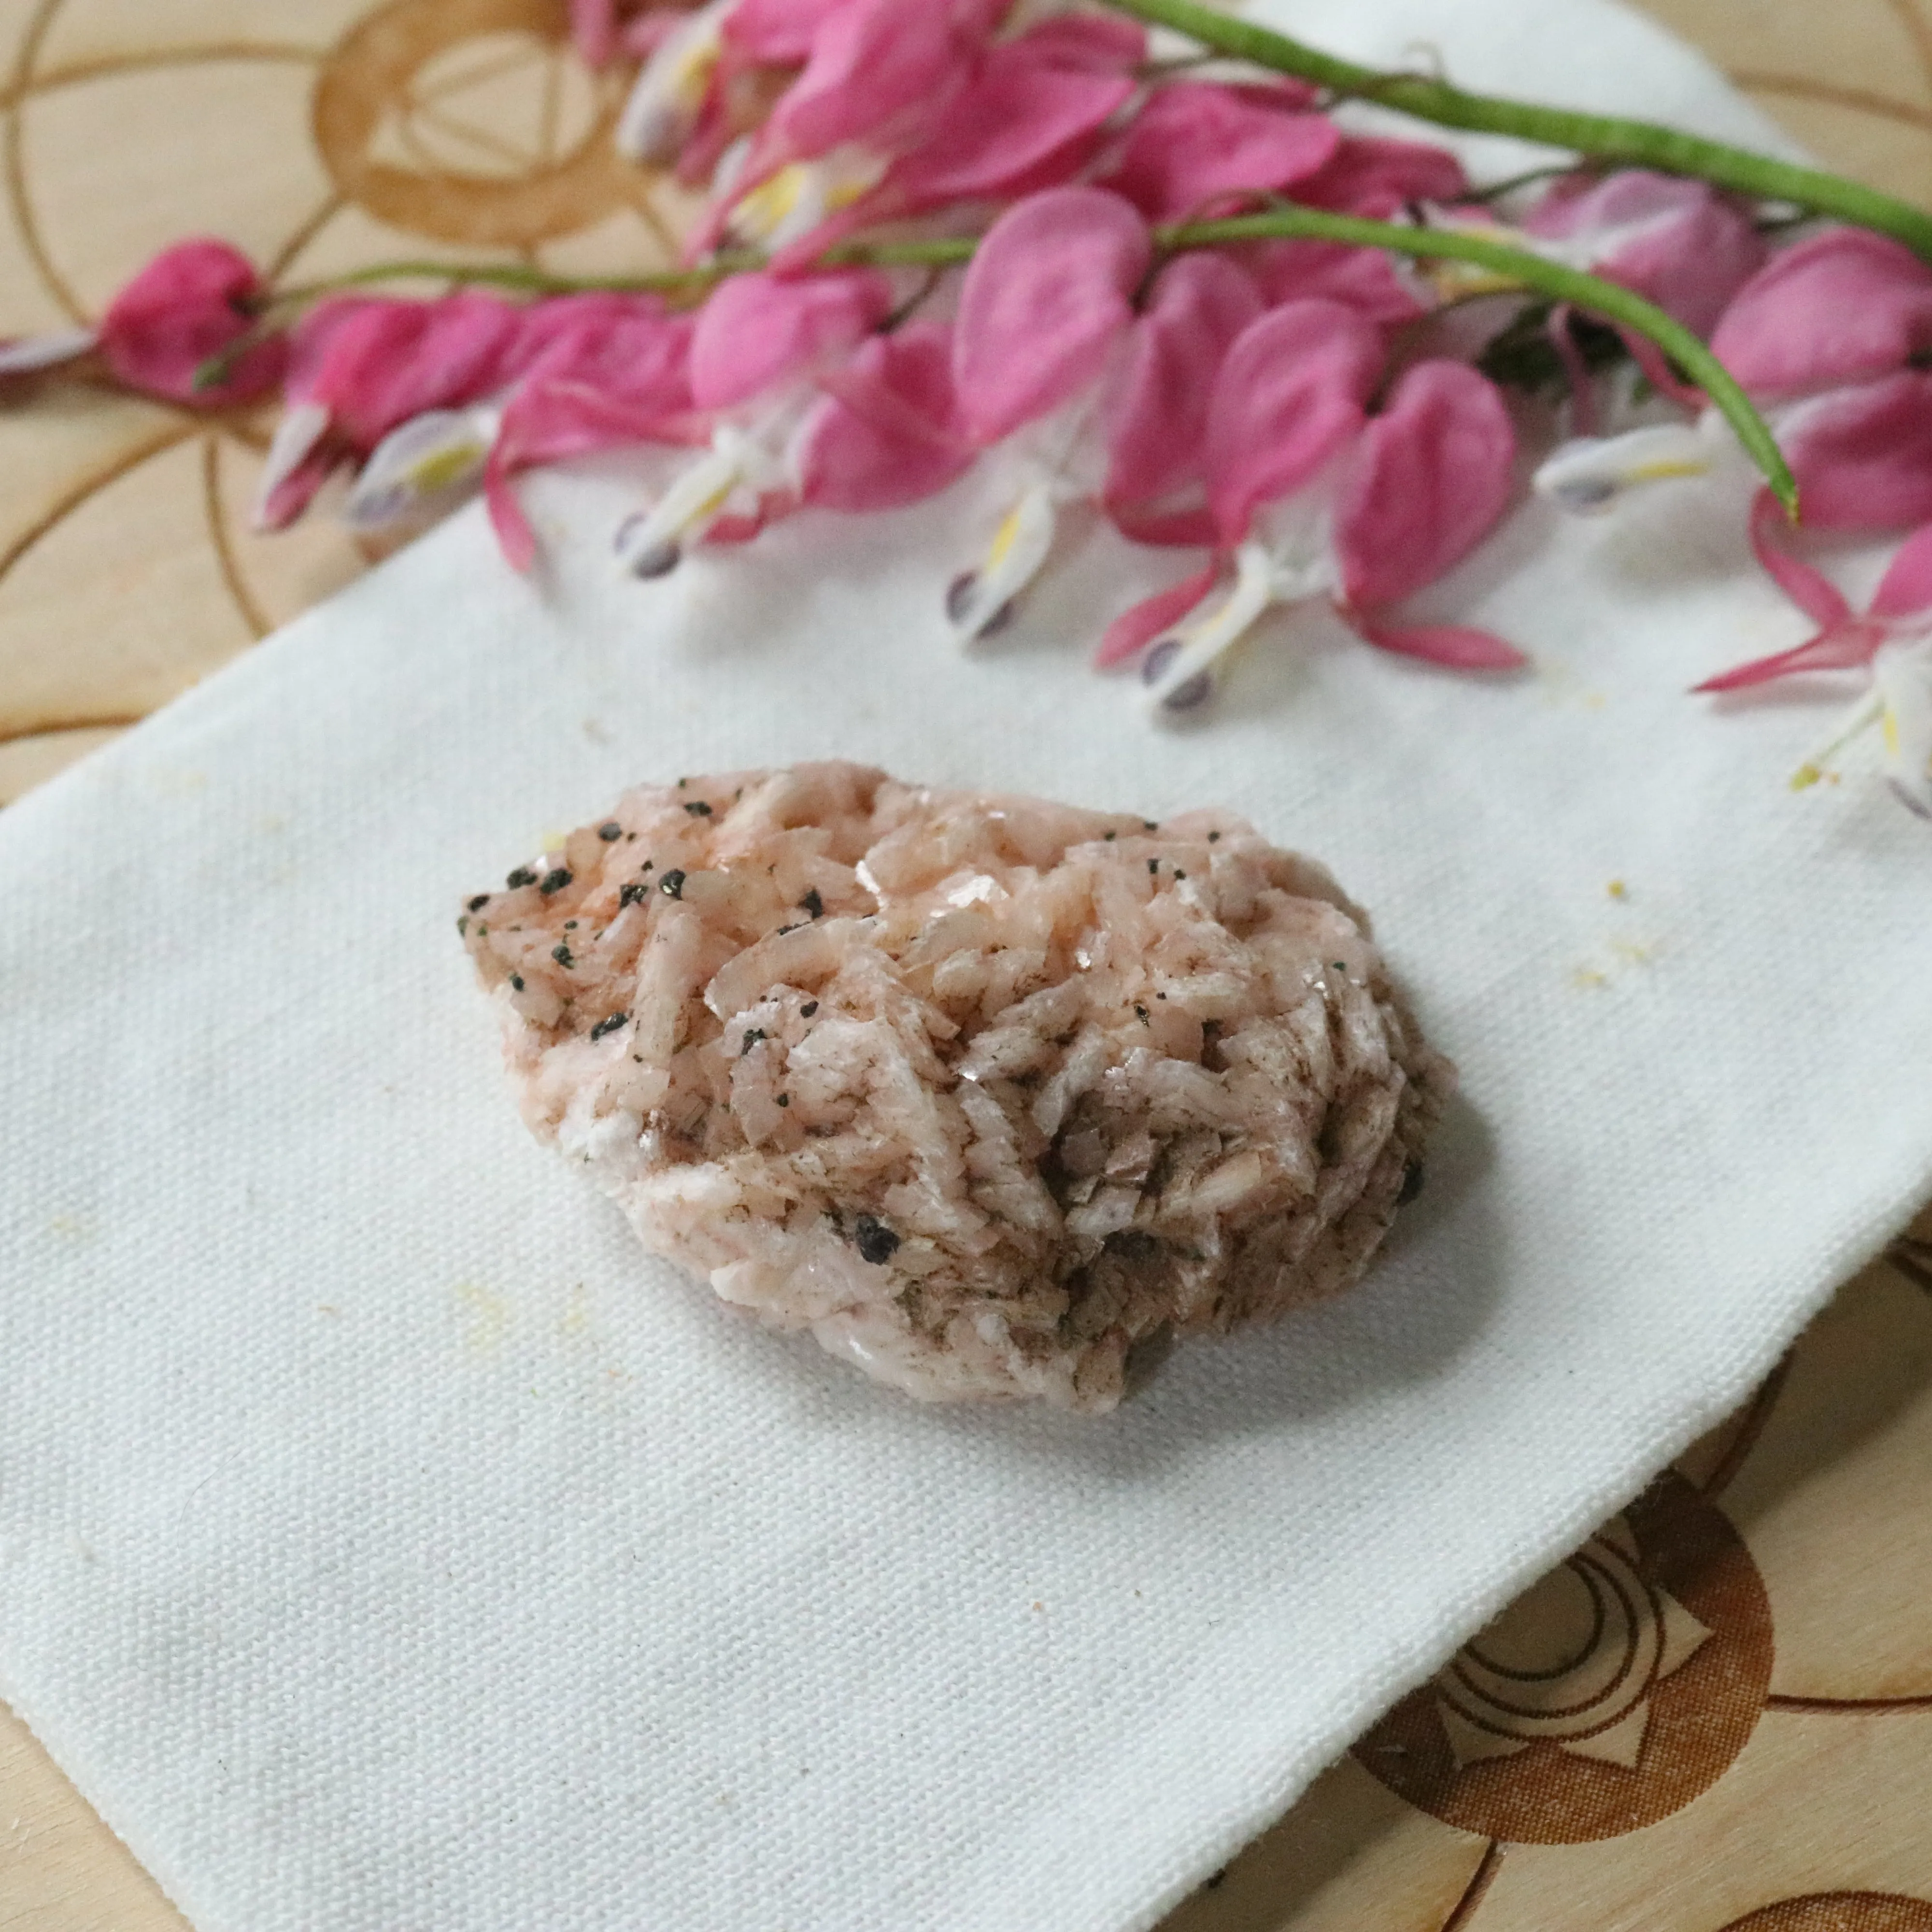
(1047, 299)
(1841, 308)
(887, 432)
(1823, 338)
(757, 348)
(1032, 112)
(191, 303)
(1682, 244)
(676, 88)
(194, 303)
(1196, 143)
(1890, 641)
(360, 368)
(1376, 178)
(1313, 498)
(1156, 411)
(878, 76)
(613, 370)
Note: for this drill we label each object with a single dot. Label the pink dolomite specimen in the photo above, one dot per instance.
(990, 1094)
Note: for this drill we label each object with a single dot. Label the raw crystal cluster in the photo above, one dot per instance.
(992, 1095)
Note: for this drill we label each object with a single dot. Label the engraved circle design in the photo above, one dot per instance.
(469, 121)
(1839, 1912)
(1606, 1697)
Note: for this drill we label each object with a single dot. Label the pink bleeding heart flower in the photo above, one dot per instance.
(1196, 144)
(888, 431)
(1157, 411)
(1045, 307)
(760, 347)
(879, 76)
(1047, 295)
(1375, 178)
(1430, 478)
(677, 105)
(1841, 308)
(359, 368)
(612, 370)
(1824, 337)
(593, 30)
(1034, 112)
(1368, 280)
(1890, 641)
(194, 304)
(1680, 244)
(758, 331)
(1861, 454)
(778, 33)
(1292, 394)
(1314, 499)
(880, 72)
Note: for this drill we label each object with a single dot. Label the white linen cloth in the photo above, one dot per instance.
(386, 1543)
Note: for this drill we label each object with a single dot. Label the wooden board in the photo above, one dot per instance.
(1716, 1717)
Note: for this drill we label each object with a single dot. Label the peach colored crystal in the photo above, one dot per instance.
(992, 1095)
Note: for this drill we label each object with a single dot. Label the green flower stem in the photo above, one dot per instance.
(1513, 266)
(1601, 136)
(1550, 278)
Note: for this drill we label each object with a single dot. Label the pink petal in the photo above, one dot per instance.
(1693, 267)
(189, 304)
(1863, 456)
(1680, 244)
(1085, 43)
(629, 348)
(877, 69)
(375, 364)
(593, 27)
(737, 529)
(1045, 297)
(1200, 302)
(1813, 592)
(1289, 396)
(1017, 118)
(515, 537)
(295, 492)
(713, 131)
(556, 419)
(608, 370)
(1193, 529)
(1194, 142)
(888, 433)
(757, 331)
(1374, 177)
(1135, 629)
(1906, 589)
(1366, 279)
(1456, 647)
(1431, 476)
(778, 33)
(1576, 369)
(1844, 646)
(1841, 308)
